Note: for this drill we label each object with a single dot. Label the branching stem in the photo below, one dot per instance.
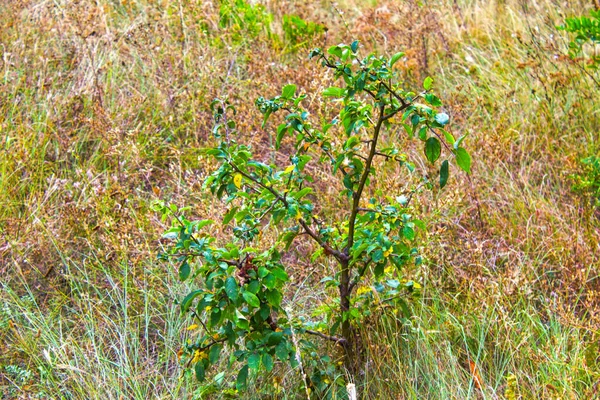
(338, 340)
(328, 249)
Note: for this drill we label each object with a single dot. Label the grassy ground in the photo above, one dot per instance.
(103, 110)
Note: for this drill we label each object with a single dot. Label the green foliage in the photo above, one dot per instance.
(240, 296)
(587, 181)
(298, 32)
(243, 20)
(587, 31)
(241, 284)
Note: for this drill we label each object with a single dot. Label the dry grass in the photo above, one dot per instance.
(104, 105)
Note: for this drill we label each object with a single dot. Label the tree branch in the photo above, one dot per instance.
(396, 95)
(363, 179)
(338, 340)
(259, 183)
(327, 153)
(328, 249)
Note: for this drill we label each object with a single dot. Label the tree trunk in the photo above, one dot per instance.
(347, 332)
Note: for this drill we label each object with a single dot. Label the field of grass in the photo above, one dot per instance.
(104, 107)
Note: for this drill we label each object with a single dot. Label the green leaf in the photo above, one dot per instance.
(265, 119)
(463, 159)
(444, 173)
(395, 58)
(184, 271)
(433, 149)
(419, 224)
(172, 233)
(262, 272)
(427, 83)
(393, 283)
(460, 140)
(274, 297)
(281, 130)
(270, 281)
(280, 274)
(377, 256)
(215, 316)
(231, 288)
(215, 352)
(254, 361)
(449, 137)
(408, 232)
(335, 50)
(229, 215)
(199, 368)
(433, 100)
(351, 142)
(251, 299)
(354, 46)
(242, 324)
(301, 193)
(242, 378)
(288, 91)
(288, 238)
(379, 269)
(275, 338)
(267, 361)
(205, 222)
(333, 92)
(253, 286)
(187, 300)
(281, 351)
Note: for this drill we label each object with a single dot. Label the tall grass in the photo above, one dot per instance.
(109, 335)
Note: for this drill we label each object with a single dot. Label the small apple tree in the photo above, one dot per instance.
(238, 302)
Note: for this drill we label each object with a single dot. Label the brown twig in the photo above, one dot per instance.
(338, 340)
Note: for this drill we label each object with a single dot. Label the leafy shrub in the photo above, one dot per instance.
(587, 181)
(298, 31)
(243, 20)
(587, 31)
(242, 281)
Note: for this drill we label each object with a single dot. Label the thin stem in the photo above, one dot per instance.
(363, 180)
(327, 153)
(328, 249)
(259, 183)
(396, 95)
(338, 340)
(477, 204)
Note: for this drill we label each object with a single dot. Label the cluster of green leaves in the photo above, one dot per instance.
(587, 31)
(588, 179)
(298, 31)
(240, 297)
(241, 284)
(243, 20)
